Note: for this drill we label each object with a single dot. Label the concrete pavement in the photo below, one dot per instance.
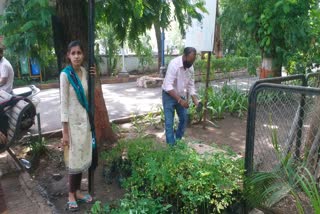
(122, 100)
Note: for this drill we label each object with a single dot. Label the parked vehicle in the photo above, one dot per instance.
(17, 113)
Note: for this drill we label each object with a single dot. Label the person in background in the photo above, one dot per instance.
(6, 72)
(76, 132)
(179, 81)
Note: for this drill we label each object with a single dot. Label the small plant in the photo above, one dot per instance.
(289, 177)
(38, 147)
(133, 202)
(115, 128)
(138, 125)
(226, 99)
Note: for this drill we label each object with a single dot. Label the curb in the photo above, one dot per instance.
(58, 132)
(103, 81)
(35, 193)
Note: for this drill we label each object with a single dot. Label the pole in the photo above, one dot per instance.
(123, 66)
(206, 91)
(91, 81)
(162, 47)
(162, 67)
(123, 72)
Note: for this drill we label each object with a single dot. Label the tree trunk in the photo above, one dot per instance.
(72, 24)
(217, 36)
(104, 132)
(73, 21)
(157, 29)
(271, 67)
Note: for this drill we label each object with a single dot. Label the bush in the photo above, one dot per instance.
(229, 64)
(179, 176)
(227, 99)
(135, 202)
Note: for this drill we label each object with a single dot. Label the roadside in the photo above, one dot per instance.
(22, 193)
(122, 100)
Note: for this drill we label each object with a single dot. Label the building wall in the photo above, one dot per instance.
(131, 64)
(2, 6)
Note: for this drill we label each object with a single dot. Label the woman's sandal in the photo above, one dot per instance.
(86, 199)
(72, 206)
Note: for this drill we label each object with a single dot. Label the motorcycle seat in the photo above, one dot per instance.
(4, 97)
(23, 91)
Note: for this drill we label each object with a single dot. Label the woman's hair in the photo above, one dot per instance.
(74, 44)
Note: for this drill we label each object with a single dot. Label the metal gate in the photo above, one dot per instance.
(285, 107)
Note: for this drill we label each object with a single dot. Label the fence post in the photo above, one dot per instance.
(300, 122)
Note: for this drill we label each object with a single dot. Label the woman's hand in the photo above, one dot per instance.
(3, 138)
(65, 140)
(93, 70)
(65, 134)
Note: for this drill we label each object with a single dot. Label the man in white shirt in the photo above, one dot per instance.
(6, 72)
(179, 81)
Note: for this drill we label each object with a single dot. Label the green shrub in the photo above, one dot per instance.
(135, 202)
(179, 176)
(229, 64)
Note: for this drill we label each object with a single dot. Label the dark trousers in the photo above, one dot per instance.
(3, 206)
(74, 182)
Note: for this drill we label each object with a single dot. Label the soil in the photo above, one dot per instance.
(50, 172)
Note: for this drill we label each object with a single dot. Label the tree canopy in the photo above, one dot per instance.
(26, 26)
(132, 18)
(280, 28)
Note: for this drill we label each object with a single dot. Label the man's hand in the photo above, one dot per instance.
(195, 100)
(184, 103)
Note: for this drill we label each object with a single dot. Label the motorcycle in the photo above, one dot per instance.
(17, 113)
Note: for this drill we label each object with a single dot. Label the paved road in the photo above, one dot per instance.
(123, 99)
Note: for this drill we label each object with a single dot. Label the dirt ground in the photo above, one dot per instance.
(52, 175)
(50, 172)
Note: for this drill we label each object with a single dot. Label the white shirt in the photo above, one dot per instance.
(179, 79)
(6, 70)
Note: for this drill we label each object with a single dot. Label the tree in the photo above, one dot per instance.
(278, 27)
(25, 34)
(71, 22)
(108, 40)
(236, 40)
(132, 18)
(218, 50)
